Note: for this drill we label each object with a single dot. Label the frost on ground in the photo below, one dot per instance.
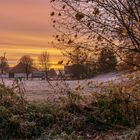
(38, 90)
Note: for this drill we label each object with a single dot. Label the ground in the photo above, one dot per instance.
(40, 90)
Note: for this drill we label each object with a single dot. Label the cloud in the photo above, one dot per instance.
(25, 28)
(26, 16)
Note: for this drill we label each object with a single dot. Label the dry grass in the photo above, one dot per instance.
(102, 115)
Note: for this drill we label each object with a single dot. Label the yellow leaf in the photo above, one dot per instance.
(78, 88)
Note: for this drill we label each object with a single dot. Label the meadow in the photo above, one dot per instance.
(109, 113)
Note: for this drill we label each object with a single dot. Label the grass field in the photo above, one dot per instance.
(39, 90)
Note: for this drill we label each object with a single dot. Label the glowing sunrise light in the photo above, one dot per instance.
(25, 28)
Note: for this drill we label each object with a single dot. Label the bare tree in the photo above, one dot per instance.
(27, 64)
(81, 60)
(44, 61)
(3, 63)
(112, 23)
(76, 55)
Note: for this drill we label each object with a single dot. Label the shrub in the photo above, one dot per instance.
(75, 116)
(18, 118)
(107, 60)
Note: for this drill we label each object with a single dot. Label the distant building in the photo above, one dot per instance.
(38, 74)
(77, 71)
(52, 73)
(68, 70)
(19, 72)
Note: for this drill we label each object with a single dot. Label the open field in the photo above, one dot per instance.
(38, 90)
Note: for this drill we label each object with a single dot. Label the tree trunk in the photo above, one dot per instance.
(46, 75)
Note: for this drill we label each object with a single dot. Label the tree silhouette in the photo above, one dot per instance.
(3, 64)
(112, 23)
(27, 64)
(107, 60)
(44, 61)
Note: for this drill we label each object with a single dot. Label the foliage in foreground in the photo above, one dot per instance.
(74, 117)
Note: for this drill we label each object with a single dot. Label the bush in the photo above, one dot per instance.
(18, 118)
(75, 116)
(107, 60)
(130, 61)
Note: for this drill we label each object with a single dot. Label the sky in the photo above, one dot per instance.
(25, 29)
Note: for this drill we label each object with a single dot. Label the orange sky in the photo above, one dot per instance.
(25, 28)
